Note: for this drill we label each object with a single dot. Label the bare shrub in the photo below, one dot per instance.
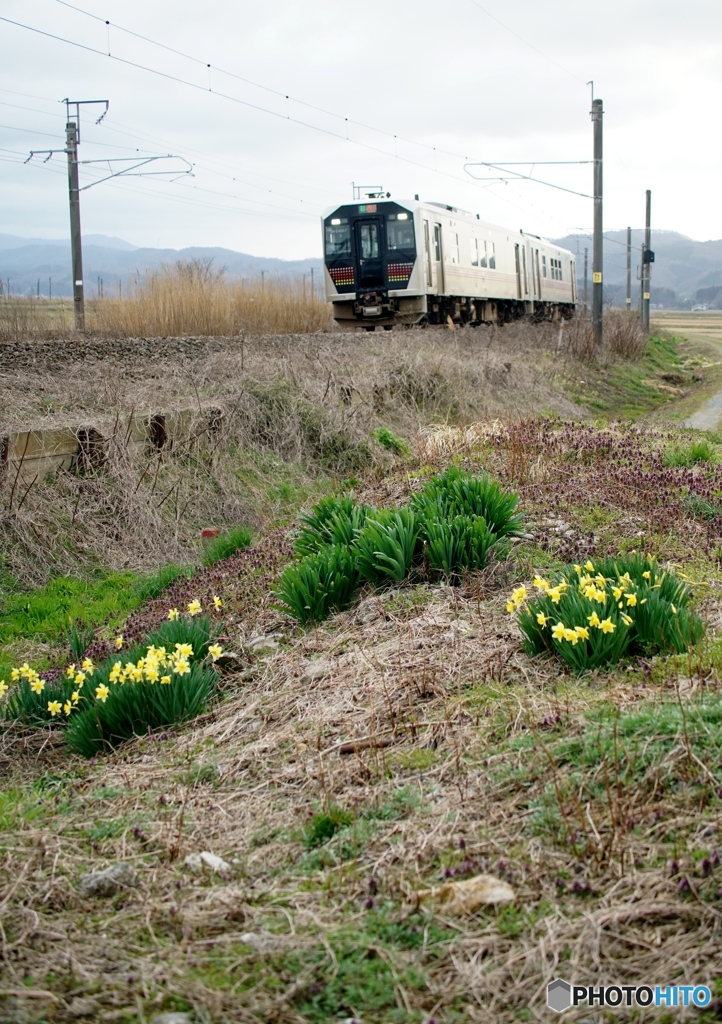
(578, 337)
(624, 334)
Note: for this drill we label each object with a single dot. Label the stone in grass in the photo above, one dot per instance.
(109, 881)
(83, 1007)
(208, 861)
(470, 895)
(174, 1017)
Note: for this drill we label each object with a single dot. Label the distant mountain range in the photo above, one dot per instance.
(29, 263)
(684, 272)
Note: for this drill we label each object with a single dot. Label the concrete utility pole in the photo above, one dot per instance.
(76, 246)
(597, 250)
(629, 269)
(647, 257)
(586, 279)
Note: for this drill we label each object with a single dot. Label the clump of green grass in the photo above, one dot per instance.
(321, 583)
(325, 824)
(391, 442)
(227, 544)
(450, 528)
(384, 550)
(690, 454)
(333, 520)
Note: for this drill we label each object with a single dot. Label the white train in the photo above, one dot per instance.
(392, 263)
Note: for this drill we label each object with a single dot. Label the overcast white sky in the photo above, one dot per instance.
(458, 80)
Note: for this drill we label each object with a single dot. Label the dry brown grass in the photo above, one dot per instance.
(268, 424)
(187, 298)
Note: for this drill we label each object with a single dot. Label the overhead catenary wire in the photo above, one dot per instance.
(253, 106)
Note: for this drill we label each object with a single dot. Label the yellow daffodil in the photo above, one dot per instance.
(151, 674)
(631, 600)
(184, 650)
(119, 641)
(540, 583)
(37, 685)
(607, 626)
(173, 614)
(542, 619)
(647, 575)
(101, 692)
(54, 707)
(571, 636)
(194, 607)
(627, 619)
(217, 603)
(577, 569)
(589, 566)
(510, 607)
(67, 707)
(181, 667)
(15, 674)
(165, 680)
(600, 597)
(558, 631)
(3, 687)
(555, 594)
(215, 651)
(79, 678)
(115, 672)
(590, 592)
(594, 619)
(519, 595)
(582, 632)
(585, 581)
(70, 671)
(88, 666)
(618, 592)
(75, 696)
(674, 610)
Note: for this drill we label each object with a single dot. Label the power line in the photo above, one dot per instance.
(521, 39)
(253, 106)
(259, 85)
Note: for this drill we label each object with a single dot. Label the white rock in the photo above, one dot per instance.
(207, 861)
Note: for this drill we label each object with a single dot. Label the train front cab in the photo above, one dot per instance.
(372, 265)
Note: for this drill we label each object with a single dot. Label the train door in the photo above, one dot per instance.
(538, 274)
(430, 267)
(368, 250)
(524, 274)
(517, 258)
(438, 259)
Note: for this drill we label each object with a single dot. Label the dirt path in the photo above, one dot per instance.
(701, 326)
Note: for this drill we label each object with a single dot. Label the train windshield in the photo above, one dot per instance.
(338, 238)
(400, 234)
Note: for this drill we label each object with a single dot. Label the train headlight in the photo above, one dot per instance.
(403, 216)
(335, 221)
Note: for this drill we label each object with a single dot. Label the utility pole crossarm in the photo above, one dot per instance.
(136, 163)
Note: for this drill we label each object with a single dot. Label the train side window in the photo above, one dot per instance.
(437, 243)
(544, 266)
(475, 252)
(492, 256)
(454, 247)
(338, 239)
(482, 261)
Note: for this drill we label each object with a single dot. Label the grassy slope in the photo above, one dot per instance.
(579, 791)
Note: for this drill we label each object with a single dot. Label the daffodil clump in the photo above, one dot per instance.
(594, 614)
(168, 679)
